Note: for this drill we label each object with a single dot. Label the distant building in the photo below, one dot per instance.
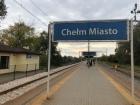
(19, 59)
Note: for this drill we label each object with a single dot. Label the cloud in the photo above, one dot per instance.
(63, 10)
(67, 48)
(68, 10)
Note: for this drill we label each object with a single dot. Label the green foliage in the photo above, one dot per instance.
(103, 58)
(111, 58)
(19, 35)
(3, 9)
(43, 60)
(56, 58)
(70, 60)
(123, 53)
(42, 44)
(137, 44)
(22, 35)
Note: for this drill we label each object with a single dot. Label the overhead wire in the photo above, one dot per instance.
(30, 13)
(43, 12)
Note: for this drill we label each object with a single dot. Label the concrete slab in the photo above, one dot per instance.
(87, 86)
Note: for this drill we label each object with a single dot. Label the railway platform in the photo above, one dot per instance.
(88, 86)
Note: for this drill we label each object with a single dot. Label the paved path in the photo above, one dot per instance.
(87, 87)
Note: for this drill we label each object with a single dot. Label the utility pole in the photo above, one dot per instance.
(88, 46)
(88, 49)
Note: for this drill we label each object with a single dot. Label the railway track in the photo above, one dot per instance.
(9, 94)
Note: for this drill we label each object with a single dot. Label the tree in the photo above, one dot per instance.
(137, 44)
(43, 48)
(3, 13)
(3, 10)
(43, 42)
(123, 51)
(19, 35)
(103, 58)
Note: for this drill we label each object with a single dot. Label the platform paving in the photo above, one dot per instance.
(88, 86)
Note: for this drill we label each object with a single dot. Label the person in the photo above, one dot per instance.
(94, 61)
(87, 62)
(91, 62)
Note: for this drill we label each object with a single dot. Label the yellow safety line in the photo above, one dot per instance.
(39, 100)
(120, 88)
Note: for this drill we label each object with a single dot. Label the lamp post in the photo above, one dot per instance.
(135, 11)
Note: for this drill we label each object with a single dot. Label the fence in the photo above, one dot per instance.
(19, 71)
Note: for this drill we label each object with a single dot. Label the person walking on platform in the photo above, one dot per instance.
(94, 62)
(91, 62)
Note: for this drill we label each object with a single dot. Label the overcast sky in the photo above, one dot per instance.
(68, 10)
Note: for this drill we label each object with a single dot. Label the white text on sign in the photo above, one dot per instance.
(90, 31)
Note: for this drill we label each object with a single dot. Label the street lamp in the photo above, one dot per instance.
(135, 11)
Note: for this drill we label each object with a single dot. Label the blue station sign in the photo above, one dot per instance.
(89, 53)
(103, 30)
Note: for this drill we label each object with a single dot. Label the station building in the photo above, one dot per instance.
(17, 59)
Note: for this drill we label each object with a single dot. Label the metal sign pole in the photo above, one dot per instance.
(88, 45)
(132, 62)
(88, 51)
(49, 60)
